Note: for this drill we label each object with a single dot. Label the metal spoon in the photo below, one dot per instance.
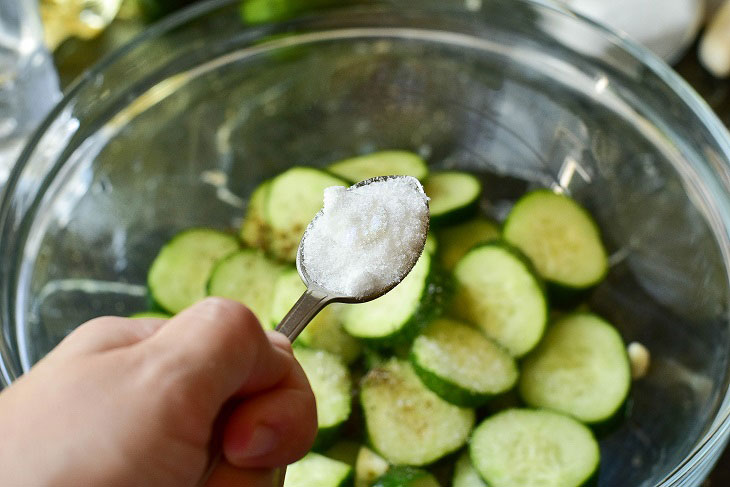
(315, 298)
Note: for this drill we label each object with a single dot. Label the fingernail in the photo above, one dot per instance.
(263, 440)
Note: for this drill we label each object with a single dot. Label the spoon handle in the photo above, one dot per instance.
(307, 306)
(299, 316)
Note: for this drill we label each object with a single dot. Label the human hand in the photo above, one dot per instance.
(133, 401)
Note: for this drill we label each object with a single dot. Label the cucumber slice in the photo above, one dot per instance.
(431, 244)
(294, 198)
(581, 368)
(368, 467)
(497, 290)
(179, 273)
(151, 314)
(255, 232)
(406, 477)
(534, 448)
(406, 422)
(330, 381)
(560, 238)
(457, 240)
(460, 364)
(345, 451)
(465, 475)
(247, 276)
(384, 163)
(325, 330)
(454, 196)
(398, 315)
(318, 470)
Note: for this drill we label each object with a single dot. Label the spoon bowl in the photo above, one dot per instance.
(316, 297)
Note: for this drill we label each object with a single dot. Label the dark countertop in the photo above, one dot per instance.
(73, 56)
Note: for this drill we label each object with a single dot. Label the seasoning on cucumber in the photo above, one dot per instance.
(330, 381)
(406, 422)
(460, 364)
(420, 372)
(497, 290)
(534, 448)
(580, 368)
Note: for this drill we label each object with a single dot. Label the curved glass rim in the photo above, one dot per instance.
(717, 431)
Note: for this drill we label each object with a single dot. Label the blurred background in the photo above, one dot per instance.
(46, 44)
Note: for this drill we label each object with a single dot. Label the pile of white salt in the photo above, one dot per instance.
(366, 238)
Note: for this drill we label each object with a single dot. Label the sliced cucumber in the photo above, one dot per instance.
(345, 451)
(457, 240)
(384, 163)
(406, 477)
(534, 448)
(255, 232)
(368, 467)
(581, 368)
(460, 364)
(454, 196)
(295, 196)
(330, 381)
(497, 290)
(151, 314)
(325, 330)
(318, 470)
(247, 276)
(465, 475)
(179, 273)
(431, 245)
(406, 422)
(559, 237)
(397, 316)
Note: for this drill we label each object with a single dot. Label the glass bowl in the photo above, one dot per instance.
(178, 127)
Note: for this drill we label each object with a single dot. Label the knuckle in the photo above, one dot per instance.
(222, 309)
(90, 328)
(232, 322)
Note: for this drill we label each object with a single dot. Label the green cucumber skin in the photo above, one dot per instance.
(590, 481)
(459, 214)
(326, 437)
(456, 216)
(435, 296)
(560, 292)
(452, 239)
(154, 303)
(604, 428)
(345, 451)
(567, 297)
(446, 457)
(421, 168)
(448, 391)
(405, 477)
(151, 314)
(533, 272)
(613, 419)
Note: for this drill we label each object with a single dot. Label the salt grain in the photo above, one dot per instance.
(366, 238)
